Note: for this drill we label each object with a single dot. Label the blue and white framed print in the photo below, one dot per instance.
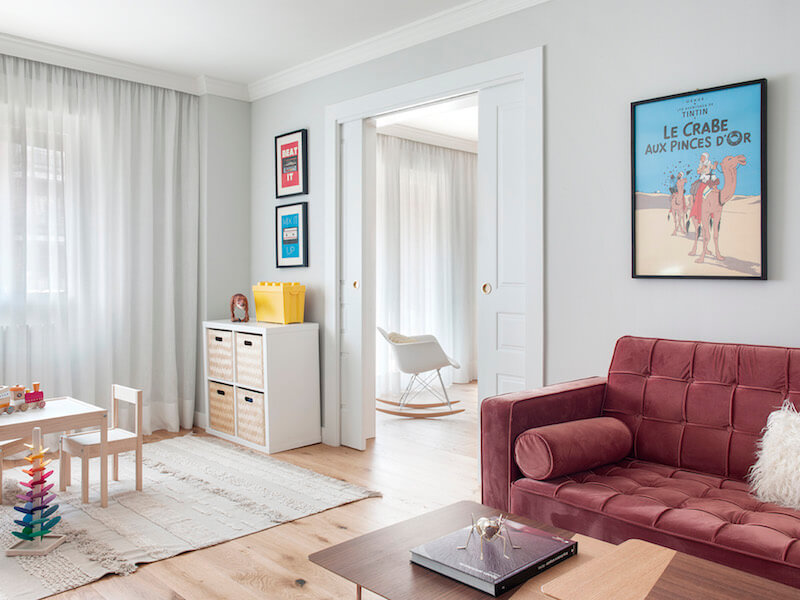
(699, 183)
(291, 235)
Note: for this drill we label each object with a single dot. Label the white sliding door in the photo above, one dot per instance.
(357, 283)
(509, 230)
(502, 241)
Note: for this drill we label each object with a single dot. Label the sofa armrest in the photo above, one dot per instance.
(505, 417)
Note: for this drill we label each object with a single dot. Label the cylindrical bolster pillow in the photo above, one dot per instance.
(566, 448)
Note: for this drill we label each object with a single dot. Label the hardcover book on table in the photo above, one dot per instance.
(495, 574)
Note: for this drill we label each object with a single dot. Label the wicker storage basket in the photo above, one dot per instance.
(249, 360)
(250, 416)
(220, 407)
(220, 354)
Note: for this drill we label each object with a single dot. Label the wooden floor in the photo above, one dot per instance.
(418, 465)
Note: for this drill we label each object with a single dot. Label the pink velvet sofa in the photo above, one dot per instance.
(695, 411)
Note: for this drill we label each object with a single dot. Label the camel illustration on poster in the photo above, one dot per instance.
(698, 181)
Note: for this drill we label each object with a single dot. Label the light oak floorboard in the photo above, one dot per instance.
(418, 465)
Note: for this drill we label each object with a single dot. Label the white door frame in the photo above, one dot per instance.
(526, 66)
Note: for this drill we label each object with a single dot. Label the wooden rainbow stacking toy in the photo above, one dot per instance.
(37, 507)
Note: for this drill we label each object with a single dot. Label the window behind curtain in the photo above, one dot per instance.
(99, 207)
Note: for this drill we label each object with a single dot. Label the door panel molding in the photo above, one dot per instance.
(502, 239)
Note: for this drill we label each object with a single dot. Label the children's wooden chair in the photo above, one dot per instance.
(87, 444)
(7, 448)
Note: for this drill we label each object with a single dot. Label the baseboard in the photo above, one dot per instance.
(200, 419)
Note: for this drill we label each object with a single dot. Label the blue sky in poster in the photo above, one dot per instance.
(670, 136)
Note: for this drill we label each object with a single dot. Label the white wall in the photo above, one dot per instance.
(599, 56)
(224, 266)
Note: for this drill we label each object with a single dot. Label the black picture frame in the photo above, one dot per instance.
(300, 209)
(702, 111)
(299, 136)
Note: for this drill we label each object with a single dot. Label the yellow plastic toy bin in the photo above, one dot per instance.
(279, 301)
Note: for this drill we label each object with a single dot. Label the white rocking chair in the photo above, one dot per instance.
(422, 357)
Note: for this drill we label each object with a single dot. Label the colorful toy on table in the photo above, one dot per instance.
(5, 400)
(17, 397)
(36, 505)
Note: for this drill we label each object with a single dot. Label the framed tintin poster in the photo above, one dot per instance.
(291, 163)
(699, 184)
(291, 235)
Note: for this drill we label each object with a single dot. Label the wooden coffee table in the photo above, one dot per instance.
(635, 570)
(379, 561)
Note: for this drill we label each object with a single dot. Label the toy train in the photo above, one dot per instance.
(17, 397)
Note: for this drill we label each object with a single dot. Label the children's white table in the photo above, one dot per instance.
(60, 415)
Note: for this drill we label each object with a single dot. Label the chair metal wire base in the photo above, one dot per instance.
(420, 383)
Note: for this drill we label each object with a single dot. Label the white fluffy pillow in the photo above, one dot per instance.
(775, 477)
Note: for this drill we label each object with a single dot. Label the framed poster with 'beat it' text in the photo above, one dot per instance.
(291, 163)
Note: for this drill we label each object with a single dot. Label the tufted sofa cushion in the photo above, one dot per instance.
(648, 500)
(698, 405)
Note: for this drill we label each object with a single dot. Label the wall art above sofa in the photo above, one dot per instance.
(698, 183)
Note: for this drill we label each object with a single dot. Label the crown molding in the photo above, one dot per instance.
(100, 65)
(220, 87)
(431, 138)
(440, 24)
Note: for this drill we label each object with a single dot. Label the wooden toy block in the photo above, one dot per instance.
(40, 481)
(28, 518)
(39, 547)
(33, 495)
(17, 397)
(24, 523)
(41, 467)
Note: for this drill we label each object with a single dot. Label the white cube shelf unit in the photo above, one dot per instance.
(262, 383)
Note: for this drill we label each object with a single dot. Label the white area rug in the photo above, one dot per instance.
(198, 491)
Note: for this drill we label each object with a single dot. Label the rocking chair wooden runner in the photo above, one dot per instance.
(421, 357)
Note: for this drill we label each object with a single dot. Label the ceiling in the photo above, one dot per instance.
(456, 118)
(235, 40)
(240, 41)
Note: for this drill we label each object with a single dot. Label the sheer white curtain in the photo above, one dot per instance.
(425, 254)
(99, 200)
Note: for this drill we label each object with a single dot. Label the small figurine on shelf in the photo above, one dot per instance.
(239, 301)
(36, 504)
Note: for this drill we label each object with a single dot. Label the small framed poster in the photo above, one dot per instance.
(291, 164)
(699, 184)
(291, 237)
